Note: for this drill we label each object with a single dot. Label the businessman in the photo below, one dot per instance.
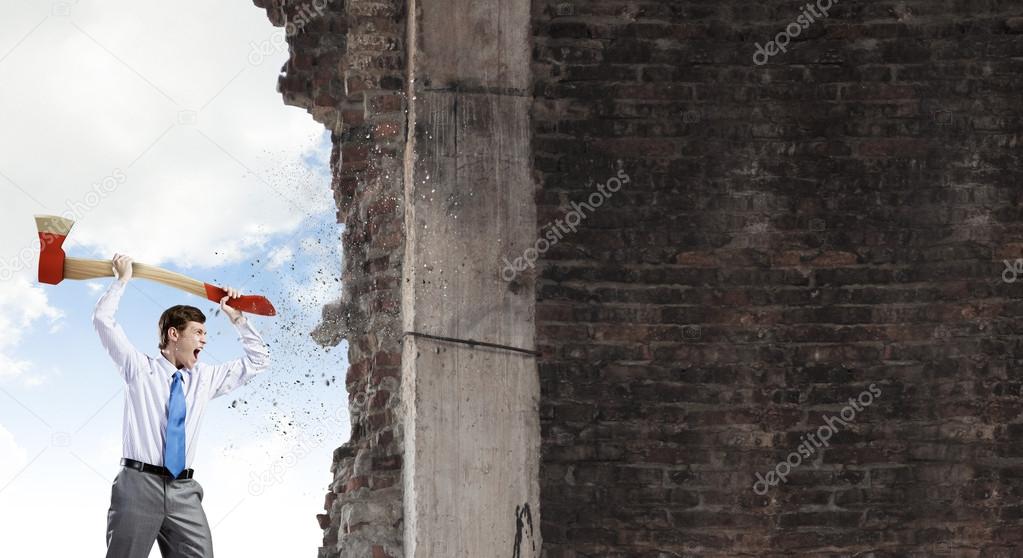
(154, 496)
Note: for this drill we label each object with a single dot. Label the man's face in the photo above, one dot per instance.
(190, 342)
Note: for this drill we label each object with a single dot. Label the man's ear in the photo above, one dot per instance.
(172, 333)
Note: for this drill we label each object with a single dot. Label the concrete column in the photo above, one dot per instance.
(469, 414)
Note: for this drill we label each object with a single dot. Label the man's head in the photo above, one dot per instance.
(182, 334)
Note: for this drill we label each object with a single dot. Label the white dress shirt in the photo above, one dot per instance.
(148, 381)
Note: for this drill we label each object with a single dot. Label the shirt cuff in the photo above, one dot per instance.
(244, 325)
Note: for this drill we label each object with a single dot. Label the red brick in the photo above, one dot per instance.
(387, 131)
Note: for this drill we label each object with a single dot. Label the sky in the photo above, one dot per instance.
(157, 128)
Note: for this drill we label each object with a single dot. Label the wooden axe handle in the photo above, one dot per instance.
(80, 268)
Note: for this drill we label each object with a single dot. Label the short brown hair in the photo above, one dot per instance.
(177, 317)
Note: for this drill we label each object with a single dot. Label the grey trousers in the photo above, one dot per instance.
(145, 507)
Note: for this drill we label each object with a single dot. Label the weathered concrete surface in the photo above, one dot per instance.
(470, 414)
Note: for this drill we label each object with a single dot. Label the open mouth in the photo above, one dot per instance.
(196, 353)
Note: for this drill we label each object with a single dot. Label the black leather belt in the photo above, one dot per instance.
(154, 469)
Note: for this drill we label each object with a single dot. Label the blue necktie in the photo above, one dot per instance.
(174, 441)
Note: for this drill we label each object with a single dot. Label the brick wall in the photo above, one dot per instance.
(346, 67)
(773, 244)
(791, 234)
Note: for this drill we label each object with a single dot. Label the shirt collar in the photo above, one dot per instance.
(170, 366)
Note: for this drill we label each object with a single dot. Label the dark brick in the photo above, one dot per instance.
(793, 233)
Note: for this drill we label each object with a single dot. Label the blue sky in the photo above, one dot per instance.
(215, 178)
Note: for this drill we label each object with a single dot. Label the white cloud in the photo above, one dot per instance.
(11, 367)
(152, 129)
(36, 380)
(12, 456)
(280, 256)
(172, 145)
(21, 306)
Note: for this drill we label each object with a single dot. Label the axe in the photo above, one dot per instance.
(54, 267)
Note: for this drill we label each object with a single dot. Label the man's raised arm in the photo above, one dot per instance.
(127, 358)
(236, 373)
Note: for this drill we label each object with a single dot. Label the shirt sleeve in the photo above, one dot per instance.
(127, 358)
(233, 374)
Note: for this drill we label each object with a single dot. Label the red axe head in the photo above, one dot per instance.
(52, 232)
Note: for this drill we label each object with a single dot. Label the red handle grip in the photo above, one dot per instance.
(253, 304)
